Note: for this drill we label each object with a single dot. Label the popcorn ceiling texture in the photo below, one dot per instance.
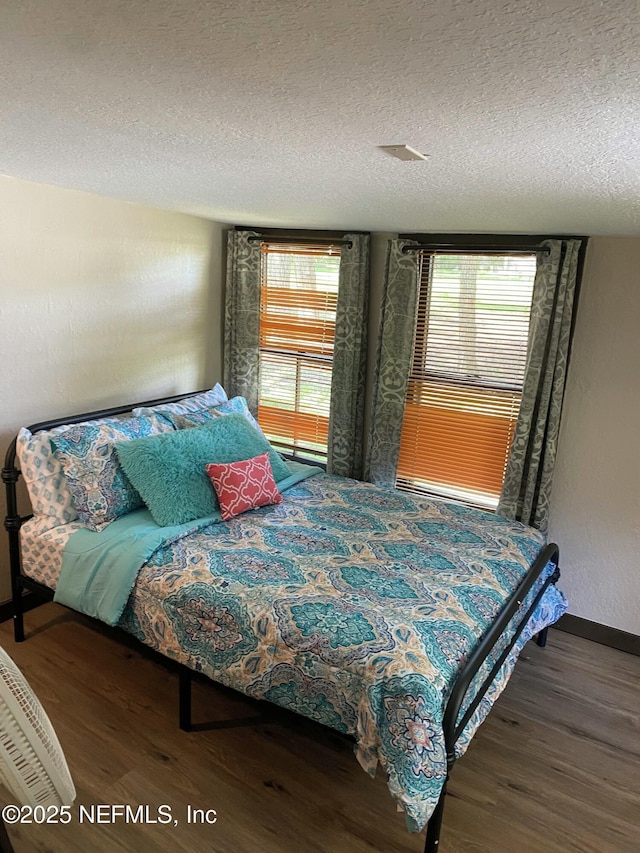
(270, 112)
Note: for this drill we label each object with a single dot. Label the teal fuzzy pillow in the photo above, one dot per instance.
(169, 470)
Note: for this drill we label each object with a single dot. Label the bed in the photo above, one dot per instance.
(389, 617)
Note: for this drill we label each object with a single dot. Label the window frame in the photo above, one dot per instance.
(299, 357)
(428, 245)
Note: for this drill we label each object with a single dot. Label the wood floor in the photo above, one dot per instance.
(555, 768)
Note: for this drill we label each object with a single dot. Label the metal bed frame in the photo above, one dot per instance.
(453, 724)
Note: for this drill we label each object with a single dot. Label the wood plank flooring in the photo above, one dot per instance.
(554, 769)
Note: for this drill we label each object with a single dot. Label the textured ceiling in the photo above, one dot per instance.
(269, 113)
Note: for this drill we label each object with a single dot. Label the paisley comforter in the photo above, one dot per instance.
(349, 604)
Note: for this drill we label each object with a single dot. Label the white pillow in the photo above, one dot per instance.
(44, 478)
(196, 403)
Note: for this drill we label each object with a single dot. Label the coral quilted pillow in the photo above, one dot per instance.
(245, 485)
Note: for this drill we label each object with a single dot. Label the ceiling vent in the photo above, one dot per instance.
(402, 152)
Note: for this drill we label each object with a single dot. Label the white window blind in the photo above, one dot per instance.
(467, 374)
(297, 328)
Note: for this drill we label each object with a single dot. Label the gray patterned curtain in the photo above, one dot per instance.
(527, 483)
(346, 421)
(242, 318)
(393, 363)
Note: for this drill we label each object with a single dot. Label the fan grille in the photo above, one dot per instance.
(32, 764)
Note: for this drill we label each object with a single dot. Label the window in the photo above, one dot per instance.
(468, 368)
(298, 303)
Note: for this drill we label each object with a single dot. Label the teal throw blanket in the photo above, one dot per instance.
(99, 569)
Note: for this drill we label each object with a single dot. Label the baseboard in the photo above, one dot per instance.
(29, 601)
(602, 634)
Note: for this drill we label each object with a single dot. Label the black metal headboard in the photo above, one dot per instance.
(13, 521)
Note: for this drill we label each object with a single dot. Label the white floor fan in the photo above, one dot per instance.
(32, 765)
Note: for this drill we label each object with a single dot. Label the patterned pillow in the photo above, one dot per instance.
(234, 406)
(245, 485)
(196, 403)
(43, 476)
(99, 488)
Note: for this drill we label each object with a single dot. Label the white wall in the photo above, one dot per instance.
(101, 302)
(595, 510)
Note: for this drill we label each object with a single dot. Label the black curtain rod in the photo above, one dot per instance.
(450, 249)
(311, 241)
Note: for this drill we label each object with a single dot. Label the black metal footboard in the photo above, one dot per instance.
(453, 727)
